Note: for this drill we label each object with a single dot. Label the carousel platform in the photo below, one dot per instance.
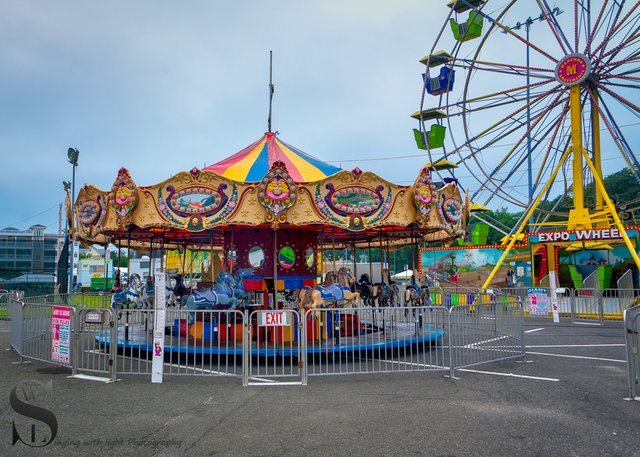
(373, 336)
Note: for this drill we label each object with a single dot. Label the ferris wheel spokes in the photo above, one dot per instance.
(510, 173)
(552, 22)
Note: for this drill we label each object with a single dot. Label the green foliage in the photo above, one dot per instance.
(114, 259)
(504, 218)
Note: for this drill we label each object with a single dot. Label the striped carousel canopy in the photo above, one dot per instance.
(253, 162)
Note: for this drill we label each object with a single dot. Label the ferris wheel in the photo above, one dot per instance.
(521, 98)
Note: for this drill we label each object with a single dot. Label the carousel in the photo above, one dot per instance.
(266, 215)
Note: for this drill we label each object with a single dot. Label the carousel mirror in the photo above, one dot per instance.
(309, 257)
(286, 257)
(256, 256)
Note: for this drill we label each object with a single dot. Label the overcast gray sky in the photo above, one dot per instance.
(162, 86)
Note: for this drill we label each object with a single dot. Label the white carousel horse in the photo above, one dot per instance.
(148, 293)
(132, 295)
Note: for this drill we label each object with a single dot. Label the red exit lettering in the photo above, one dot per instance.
(273, 318)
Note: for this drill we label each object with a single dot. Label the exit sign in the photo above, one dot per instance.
(274, 318)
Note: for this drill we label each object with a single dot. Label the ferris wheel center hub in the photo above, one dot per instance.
(573, 69)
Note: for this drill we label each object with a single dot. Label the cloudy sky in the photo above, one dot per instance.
(162, 86)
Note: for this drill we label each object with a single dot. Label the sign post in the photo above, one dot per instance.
(157, 363)
(554, 297)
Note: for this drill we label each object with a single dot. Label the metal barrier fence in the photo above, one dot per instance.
(632, 343)
(486, 333)
(207, 346)
(376, 340)
(93, 355)
(586, 306)
(37, 331)
(5, 300)
(276, 347)
(16, 309)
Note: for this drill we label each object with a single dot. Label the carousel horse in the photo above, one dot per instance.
(315, 298)
(381, 294)
(392, 287)
(149, 292)
(334, 290)
(413, 292)
(346, 281)
(412, 295)
(365, 288)
(180, 290)
(132, 295)
(221, 293)
(238, 290)
(425, 295)
(349, 279)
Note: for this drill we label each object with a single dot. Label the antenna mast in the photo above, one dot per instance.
(271, 88)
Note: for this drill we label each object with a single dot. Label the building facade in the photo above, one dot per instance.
(30, 251)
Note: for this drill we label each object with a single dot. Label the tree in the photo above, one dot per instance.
(124, 261)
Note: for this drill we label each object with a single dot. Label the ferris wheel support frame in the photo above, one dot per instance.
(579, 217)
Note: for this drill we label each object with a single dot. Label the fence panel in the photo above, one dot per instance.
(204, 342)
(566, 302)
(587, 307)
(38, 332)
(615, 301)
(276, 348)
(16, 295)
(376, 340)
(132, 341)
(5, 298)
(93, 338)
(16, 310)
(486, 332)
(632, 343)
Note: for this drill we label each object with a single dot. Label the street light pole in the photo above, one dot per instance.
(72, 157)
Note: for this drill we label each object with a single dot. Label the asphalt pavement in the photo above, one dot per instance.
(567, 399)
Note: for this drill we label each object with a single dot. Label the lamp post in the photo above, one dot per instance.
(527, 27)
(72, 157)
(67, 190)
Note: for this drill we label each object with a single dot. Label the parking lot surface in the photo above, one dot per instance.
(566, 399)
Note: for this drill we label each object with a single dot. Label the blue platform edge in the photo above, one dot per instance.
(433, 334)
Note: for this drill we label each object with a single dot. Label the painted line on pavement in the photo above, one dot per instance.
(534, 330)
(536, 378)
(607, 345)
(471, 345)
(495, 373)
(577, 357)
